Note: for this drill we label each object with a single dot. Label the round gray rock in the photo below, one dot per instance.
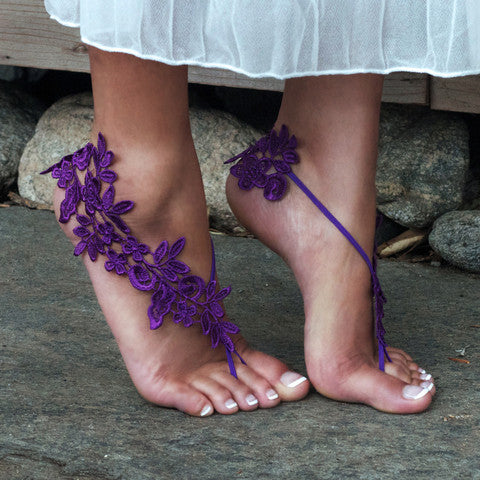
(422, 165)
(456, 238)
(19, 113)
(219, 136)
(62, 129)
(65, 127)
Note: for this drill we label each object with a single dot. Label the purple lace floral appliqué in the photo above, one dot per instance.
(265, 164)
(102, 231)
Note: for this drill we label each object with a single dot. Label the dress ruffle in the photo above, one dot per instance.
(286, 38)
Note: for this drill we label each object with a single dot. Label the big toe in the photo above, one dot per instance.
(290, 385)
(390, 394)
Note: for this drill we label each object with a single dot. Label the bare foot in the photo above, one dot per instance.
(175, 366)
(340, 351)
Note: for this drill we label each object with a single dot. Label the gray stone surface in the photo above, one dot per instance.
(422, 165)
(219, 136)
(456, 237)
(69, 411)
(65, 127)
(19, 113)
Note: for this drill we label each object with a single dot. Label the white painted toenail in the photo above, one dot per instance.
(414, 392)
(231, 403)
(292, 379)
(421, 370)
(206, 410)
(251, 400)
(272, 394)
(427, 385)
(425, 376)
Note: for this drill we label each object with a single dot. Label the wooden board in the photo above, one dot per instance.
(29, 38)
(461, 94)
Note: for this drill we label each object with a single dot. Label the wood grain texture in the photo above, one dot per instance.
(461, 94)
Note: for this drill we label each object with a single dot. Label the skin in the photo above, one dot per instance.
(335, 119)
(141, 107)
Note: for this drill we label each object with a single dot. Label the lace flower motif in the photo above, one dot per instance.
(265, 164)
(102, 231)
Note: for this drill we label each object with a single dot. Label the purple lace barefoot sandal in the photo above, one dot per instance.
(101, 230)
(265, 165)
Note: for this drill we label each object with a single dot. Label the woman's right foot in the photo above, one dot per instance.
(175, 366)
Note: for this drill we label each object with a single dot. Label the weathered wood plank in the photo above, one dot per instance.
(461, 94)
(29, 38)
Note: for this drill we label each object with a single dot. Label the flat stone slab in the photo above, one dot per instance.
(68, 409)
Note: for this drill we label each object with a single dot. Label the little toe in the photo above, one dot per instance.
(398, 358)
(179, 395)
(398, 351)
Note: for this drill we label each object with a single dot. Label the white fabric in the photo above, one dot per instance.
(286, 38)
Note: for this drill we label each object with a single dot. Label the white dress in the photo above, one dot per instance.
(286, 38)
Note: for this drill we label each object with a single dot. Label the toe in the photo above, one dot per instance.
(219, 395)
(176, 394)
(244, 394)
(262, 390)
(399, 370)
(289, 385)
(390, 394)
(398, 351)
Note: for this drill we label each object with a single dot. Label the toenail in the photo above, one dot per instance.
(414, 392)
(427, 385)
(251, 400)
(421, 370)
(206, 410)
(425, 376)
(231, 403)
(272, 394)
(292, 379)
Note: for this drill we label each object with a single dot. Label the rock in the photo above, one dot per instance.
(456, 238)
(219, 136)
(19, 113)
(65, 127)
(422, 165)
(62, 129)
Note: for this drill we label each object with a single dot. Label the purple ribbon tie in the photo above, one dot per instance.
(265, 165)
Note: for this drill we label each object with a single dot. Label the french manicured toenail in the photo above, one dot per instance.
(292, 379)
(251, 400)
(272, 394)
(425, 376)
(414, 392)
(231, 403)
(421, 370)
(427, 385)
(206, 410)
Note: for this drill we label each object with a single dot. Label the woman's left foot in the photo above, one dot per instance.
(340, 350)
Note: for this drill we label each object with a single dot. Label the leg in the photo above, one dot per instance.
(141, 107)
(335, 119)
